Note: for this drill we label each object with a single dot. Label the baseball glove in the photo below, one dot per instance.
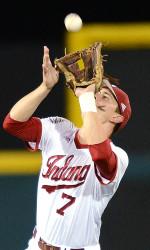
(82, 68)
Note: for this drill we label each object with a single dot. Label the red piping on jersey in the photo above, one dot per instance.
(77, 143)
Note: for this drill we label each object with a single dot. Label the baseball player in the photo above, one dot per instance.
(81, 167)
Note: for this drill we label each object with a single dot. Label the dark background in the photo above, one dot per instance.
(24, 29)
(43, 21)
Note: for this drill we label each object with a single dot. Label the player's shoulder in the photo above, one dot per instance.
(54, 119)
(120, 153)
(57, 121)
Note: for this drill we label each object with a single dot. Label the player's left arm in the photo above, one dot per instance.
(104, 158)
(93, 130)
(94, 134)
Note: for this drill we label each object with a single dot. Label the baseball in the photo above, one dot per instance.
(73, 22)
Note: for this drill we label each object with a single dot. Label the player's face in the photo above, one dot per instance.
(106, 103)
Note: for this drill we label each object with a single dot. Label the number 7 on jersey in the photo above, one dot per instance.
(68, 204)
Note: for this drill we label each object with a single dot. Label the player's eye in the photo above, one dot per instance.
(105, 97)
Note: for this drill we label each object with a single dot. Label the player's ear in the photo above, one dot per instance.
(117, 118)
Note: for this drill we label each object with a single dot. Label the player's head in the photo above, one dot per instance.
(123, 107)
(123, 103)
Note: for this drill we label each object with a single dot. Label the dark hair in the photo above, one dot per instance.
(111, 79)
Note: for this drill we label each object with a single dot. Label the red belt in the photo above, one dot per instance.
(44, 246)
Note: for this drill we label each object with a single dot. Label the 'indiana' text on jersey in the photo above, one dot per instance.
(66, 172)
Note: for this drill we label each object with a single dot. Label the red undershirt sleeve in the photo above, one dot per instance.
(104, 158)
(28, 131)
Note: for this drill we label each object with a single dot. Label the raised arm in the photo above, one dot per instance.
(27, 105)
(93, 129)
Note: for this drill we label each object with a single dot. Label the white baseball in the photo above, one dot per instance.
(73, 22)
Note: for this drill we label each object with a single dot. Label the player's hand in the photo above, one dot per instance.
(50, 74)
(79, 91)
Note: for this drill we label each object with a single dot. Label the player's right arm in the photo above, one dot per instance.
(27, 105)
(19, 122)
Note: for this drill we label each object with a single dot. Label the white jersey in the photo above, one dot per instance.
(71, 195)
